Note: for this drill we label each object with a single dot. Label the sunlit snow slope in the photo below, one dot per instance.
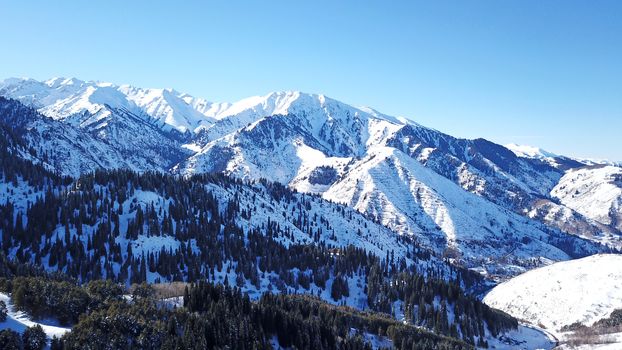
(583, 290)
(595, 192)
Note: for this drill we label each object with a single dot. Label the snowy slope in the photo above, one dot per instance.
(523, 338)
(351, 228)
(284, 136)
(583, 290)
(121, 141)
(584, 202)
(19, 321)
(408, 197)
(500, 176)
(595, 192)
(571, 222)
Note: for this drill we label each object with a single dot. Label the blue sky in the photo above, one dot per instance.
(543, 73)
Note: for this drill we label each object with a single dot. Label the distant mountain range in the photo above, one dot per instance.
(498, 210)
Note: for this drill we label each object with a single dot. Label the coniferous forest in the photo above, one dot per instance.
(205, 316)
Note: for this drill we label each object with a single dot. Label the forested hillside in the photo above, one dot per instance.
(208, 316)
(255, 237)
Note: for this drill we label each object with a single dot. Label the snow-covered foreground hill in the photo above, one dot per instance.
(523, 338)
(583, 290)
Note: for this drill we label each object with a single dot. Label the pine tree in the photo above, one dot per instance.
(34, 338)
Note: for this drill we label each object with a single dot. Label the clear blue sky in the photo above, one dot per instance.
(544, 73)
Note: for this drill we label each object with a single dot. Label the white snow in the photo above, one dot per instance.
(19, 321)
(583, 290)
(530, 151)
(167, 106)
(410, 198)
(524, 338)
(595, 192)
(61, 98)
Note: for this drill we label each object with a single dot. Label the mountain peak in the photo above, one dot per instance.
(530, 151)
(274, 103)
(61, 81)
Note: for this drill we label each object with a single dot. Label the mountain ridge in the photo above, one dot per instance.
(316, 144)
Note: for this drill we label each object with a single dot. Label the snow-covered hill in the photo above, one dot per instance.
(122, 141)
(583, 290)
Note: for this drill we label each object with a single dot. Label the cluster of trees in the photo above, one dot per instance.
(613, 321)
(33, 338)
(216, 316)
(46, 298)
(78, 230)
(3, 311)
(211, 316)
(598, 333)
(429, 302)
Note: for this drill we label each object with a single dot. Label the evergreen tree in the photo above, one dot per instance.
(10, 340)
(34, 338)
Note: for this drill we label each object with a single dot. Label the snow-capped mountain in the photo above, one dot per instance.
(90, 103)
(409, 197)
(555, 160)
(583, 290)
(530, 151)
(125, 141)
(313, 143)
(476, 201)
